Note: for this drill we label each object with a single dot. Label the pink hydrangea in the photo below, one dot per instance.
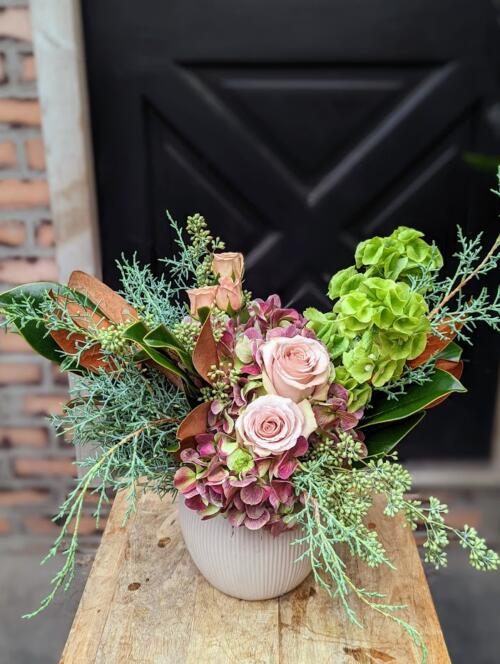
(242, 466)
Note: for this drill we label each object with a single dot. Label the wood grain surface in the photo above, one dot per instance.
(145, 602)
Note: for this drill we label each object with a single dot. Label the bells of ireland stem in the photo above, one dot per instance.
(400, 256)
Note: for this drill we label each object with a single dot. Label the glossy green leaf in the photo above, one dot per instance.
(162, 337)
(383, 439)
(136, 332)
(35, 333)
(452, 352)
(415, 400)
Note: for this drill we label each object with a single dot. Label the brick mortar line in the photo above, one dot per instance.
(25, 252)
(39, 212)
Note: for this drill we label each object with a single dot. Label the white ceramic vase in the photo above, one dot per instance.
(246, 564)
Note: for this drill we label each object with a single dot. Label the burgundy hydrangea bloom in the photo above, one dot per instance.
(333, 413)
(220, 477)
(222, 473)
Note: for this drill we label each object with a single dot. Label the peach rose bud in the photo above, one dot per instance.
(229, 294)
(200, 298)
(228, 264)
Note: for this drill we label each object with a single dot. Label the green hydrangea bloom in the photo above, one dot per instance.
(326, 329)
(398, 256)
(344, 282)
(359, 395)
(374, 329)
(377, 322)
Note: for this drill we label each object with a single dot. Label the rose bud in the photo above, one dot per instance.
(229, 294)
(200, 298)
(228, 264)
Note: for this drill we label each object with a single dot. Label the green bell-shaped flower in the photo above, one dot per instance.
(344, 282)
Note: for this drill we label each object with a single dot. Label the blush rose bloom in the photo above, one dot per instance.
(271, 424)
(228, 264)
(296, 367)
(201, 297)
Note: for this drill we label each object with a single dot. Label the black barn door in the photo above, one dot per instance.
(299, 128)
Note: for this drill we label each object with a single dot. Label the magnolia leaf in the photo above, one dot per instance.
(195, 422)
(383, 439)
(452, 367)
(162, 337)
(80, 309)
(35, 333)
(136, 332)
(91, 358)
(452, 352)
(109, 302)
(205, 352)
(417, 398)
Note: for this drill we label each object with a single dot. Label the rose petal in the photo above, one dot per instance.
(310, 424)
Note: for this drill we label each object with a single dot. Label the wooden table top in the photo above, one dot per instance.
(145, 602)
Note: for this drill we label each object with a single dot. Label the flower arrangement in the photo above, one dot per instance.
(255, 412)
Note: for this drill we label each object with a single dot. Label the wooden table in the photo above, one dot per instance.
(145, 602)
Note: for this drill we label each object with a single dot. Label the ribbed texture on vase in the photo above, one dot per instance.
(242, 563)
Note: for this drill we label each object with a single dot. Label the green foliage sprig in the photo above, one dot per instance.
(158, 300)
(192, 264)
(126, 412)
(338, 488)
(337, 499)
(129, 412)
(452, 306)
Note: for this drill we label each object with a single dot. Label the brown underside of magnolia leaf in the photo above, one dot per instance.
(91, 359)
(452, 367)
(112, 305)
(434, 345)
(84, 317)
(205, 352)
(195, 423)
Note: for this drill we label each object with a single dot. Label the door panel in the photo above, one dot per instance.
(298, 129)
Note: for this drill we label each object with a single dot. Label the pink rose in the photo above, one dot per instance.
(201, 297)
(270, 425)
(296, 367)
(229, 293)
(228, 264)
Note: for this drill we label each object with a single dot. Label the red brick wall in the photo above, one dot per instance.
(35, 465)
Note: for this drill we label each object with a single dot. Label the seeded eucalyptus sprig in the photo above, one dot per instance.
(195, 253)
(338, 487)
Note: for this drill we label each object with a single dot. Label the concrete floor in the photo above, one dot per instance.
(468, 602)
